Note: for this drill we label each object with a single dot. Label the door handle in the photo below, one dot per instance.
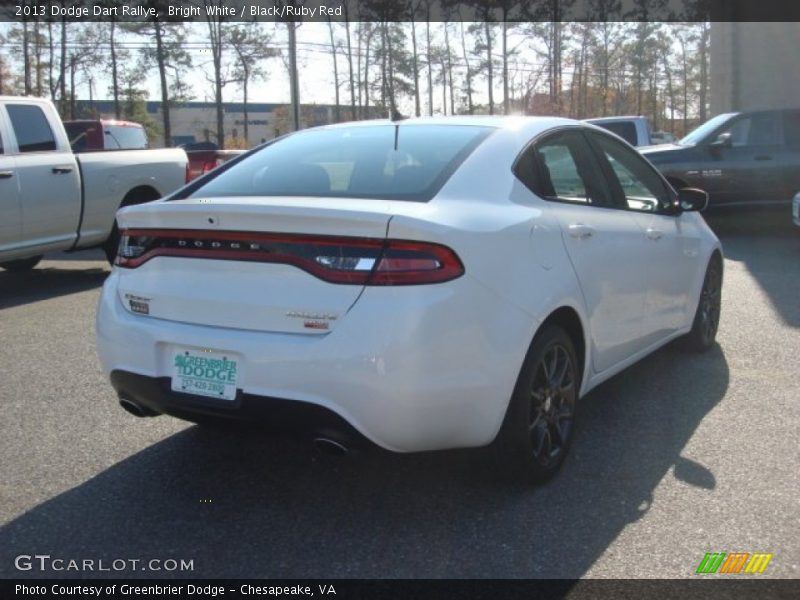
(62, 169)
(763, 157)
(580, 231)
(654, 234)
(6, 174)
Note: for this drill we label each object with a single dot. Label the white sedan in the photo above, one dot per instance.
(424, 284)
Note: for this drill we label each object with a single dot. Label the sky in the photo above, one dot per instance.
(314, 67)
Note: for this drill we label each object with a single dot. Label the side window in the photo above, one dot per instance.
(31, 128)
(642, 188)
(760, 129)
(791, 128)
(561, 168)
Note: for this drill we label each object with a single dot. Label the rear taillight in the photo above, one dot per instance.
(188, 175)
(362, 261)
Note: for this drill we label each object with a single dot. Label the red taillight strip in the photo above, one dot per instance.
(383, 273)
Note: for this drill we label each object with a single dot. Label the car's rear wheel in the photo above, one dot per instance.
(706, 318)
(22, 264)
(538, 427)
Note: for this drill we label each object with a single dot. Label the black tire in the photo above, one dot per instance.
(706, 318)
(538, 427)
(21, 265)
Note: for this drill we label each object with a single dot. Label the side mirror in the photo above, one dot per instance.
(692, 199)
(724, 140)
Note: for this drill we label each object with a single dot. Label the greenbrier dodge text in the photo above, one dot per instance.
(172, 590)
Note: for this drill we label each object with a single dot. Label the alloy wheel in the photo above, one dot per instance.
(552, 409)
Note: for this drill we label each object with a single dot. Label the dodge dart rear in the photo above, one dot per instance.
(394, 281)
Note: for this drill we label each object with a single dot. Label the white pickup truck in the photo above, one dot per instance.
(52, 199)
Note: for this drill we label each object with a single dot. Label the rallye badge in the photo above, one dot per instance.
(138, 304)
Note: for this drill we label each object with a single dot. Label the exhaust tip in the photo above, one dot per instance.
(325, 445)
(133, 408)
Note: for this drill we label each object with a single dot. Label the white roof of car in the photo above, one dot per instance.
(509, 122)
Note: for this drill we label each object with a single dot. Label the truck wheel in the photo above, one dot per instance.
(135, 196)
(22, 264)
(111, 245)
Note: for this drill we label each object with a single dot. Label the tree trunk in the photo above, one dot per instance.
(415, 64)
(444, 87)
(489, 66)
(26, 58)
(63, 66)
(449, 68)
(390, 89)
(366, 76)
(37, 52)
(505, 62)
(470, 106)
(293, 83)
(51, 62)
(428, 57)
(383, 66)
(685, 88)
(337, 110)
(244, 108)
(162, 74)
(703, 71)
(72, 88)
(114, 72)
(350, 64)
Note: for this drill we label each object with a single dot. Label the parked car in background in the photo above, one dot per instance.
(634, 130)
(52, 199)
(745, 158)
(426, 284)
(205, 156)
(93, 135)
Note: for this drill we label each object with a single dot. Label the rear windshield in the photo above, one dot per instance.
(383, 162)
(624, 129)
(125, 138)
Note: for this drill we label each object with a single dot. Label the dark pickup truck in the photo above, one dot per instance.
(746, 158)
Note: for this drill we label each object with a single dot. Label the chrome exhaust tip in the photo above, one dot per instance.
(133, 408)
(325, 445)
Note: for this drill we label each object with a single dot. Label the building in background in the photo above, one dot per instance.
(196, 121)
(754, 65)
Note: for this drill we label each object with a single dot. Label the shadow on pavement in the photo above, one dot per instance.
(45, 282)
(243, 504)
(762, 240)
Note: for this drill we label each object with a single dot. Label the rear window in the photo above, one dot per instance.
(382, 162)
(125, 138)
(625, 130)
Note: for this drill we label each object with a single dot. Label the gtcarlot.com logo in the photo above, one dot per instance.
(45, 562)
(734, 562)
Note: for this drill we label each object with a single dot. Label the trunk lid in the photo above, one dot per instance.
(240, 291)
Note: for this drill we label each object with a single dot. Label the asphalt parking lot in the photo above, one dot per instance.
(677, 456)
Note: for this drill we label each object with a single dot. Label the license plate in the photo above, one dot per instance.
(205, 373)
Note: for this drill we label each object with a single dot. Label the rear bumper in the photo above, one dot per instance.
(409, 369)
(276, 414)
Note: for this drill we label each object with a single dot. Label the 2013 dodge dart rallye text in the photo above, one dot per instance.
(52, 199)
